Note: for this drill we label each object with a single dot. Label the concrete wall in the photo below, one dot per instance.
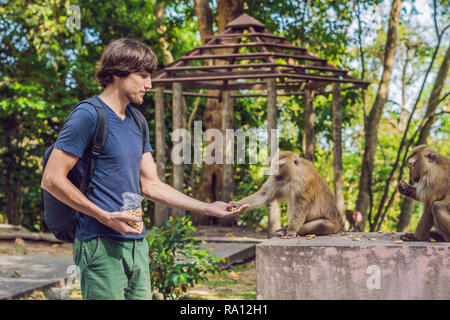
(352, 266)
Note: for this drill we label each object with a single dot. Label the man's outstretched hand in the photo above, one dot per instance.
(221, 210)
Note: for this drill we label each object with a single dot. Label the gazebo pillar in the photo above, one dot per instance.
(308, 142)
(274, 211)
(177, 121)
(337, 148)
(161, 212)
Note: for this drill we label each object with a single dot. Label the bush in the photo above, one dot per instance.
(176, 260)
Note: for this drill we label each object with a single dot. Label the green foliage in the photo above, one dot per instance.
(46, 68)
(176, 260)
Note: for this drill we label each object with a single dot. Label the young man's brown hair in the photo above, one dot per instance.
(122, 57)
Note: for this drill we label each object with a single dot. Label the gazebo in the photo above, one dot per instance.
(248, 61)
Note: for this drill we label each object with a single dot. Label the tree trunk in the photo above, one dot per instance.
(210, 186)
(403, 116)
(212, 178)
(228, 181)
(365, 183)
(228, 10)
(12, 200)
(208, 176)
(204, 18)
(408, 204)
(161, 212)
(433, 102)
(177, 120)
(12, 169)
(274, 212)
(308, 137)
(161, 30)
(337, 148)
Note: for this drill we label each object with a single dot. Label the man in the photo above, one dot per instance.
(111, 255)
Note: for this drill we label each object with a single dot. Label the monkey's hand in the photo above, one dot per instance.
(434, 236)
(289, 235)
(408, 237)
(281, 232)
(406, 190)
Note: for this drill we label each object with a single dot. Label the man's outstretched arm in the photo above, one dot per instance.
(153, 189)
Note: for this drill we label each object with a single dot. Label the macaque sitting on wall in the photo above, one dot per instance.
(311, 205)
(430, 172)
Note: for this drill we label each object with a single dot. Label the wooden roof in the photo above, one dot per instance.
(243, 56)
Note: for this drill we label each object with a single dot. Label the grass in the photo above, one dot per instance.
(236, 283)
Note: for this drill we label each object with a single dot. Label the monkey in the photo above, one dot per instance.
(312, 207)
(354, 217)
(430, 174)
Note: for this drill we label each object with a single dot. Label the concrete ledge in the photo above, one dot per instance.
(352, 266)
(20, 275)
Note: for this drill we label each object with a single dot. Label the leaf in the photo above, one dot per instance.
(176, 279)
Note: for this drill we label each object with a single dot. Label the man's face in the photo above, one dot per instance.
(135, 85)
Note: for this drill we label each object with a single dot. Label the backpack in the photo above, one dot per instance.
(60, 218)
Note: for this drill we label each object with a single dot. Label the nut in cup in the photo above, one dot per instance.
(136, 213)
(132, 206)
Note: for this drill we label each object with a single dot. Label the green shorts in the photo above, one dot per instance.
(112, 269)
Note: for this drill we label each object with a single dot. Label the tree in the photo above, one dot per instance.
(418, 49)
(363, 202)
(211, 186)
(34, 58)
(429, 118)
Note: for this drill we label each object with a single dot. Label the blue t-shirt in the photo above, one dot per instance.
(117, 169)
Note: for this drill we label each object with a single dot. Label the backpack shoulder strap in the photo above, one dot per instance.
(98, 141)
(141, 122)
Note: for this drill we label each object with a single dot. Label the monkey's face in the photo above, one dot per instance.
(287, 167)
(420, 161)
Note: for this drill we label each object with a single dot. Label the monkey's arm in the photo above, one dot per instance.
(407, 190)
(423, 227)
(298, 217)
(425, 223)
(260, 197)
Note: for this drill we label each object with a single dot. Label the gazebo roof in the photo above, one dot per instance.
(247, 54)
